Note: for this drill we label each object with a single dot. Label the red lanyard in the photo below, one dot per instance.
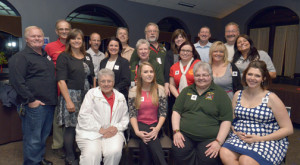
(156, 51)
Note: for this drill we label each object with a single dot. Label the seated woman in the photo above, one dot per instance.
(143, 51)
(102, 119)
(181, 73)
(225, 74)
(148, 111)
(245, 52)
(201, 120)
(261, 122)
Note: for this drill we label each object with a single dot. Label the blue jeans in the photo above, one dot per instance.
(36, 127)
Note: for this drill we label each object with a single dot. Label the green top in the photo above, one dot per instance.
(157, 69)
(155, 54)
(201, 116)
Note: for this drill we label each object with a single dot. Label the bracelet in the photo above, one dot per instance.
(175, 131)
(218, 142)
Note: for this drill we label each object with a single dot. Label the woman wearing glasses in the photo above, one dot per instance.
(181, 73)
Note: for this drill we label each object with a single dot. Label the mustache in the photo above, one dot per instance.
(230, 35)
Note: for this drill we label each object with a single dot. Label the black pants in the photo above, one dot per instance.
(193, 153)
(152, 151)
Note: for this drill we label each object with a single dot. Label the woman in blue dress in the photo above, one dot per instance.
(261, 122)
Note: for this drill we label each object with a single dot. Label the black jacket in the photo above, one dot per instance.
(236, 80)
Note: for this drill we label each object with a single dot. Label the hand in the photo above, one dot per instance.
(144, 136)
(35, 104)
(112, 130)
(70, 106)
(178, 140)
(241, 135)
(153, 134)
(251, 138)
(167, 90)
(213, 149)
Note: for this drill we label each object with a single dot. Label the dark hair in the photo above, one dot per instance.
(252, 54)
(195, 53)
(175, 34)
(120, 45)
(262, 66)
(72, 35)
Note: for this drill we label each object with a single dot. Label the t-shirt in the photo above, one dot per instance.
(176, 73)
(54, 49)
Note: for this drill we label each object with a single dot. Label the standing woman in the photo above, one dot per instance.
(75, 76)
(147, 111)
(118, 64)
(225, 74)
(181, 73)
(261, 124)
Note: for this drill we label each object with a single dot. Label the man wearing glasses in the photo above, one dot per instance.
(232, 31)
(54, 49)
(203, 45)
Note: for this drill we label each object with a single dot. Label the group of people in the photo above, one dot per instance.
(213, 96)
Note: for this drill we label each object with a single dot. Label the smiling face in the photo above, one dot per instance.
(186, 53)
(152, 33)
(62, 29)
(122, 35)
(179, 40)
(254, 78)
(143, 51)
(202, 78)
(231, 33)
(218, 55)
(76, 42)
(35, 38)
(147, 74)
(204, 34)
(113, 47)
(106, 83)
(95, 42)
(243, 44)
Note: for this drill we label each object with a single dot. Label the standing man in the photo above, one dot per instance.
(97, 56)
(32, 74)
(122, 35)
(203, 45)
(53, 49)
(232, 31)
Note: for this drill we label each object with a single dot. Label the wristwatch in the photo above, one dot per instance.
(175, 131)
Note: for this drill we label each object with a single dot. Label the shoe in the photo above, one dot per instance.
(45, 162)
(59, 153)
(71, 162)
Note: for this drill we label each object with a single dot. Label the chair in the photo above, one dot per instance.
(289, 112)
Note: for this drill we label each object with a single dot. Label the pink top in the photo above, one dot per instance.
(147, 113)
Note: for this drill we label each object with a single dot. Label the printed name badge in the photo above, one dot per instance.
(265, 100)
(49, 58)
(142, 98)
(116, 67)
(132, 84)
(234, 73)
(87, 58)
(194, 97)
(177, 72)
(239, 62)
(158, 60)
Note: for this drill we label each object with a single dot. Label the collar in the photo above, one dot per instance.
(128, 48)
(210, 88)
(197, 45)
(29, 50)
(92, 53)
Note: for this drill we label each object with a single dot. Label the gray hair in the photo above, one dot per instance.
(140, 42)
(151, 24)
(105, 72)
(203, 65)
(233, 23)
(29, 28)
(122, 28)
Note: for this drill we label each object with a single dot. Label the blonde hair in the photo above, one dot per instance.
(153, 88)
(218, 45)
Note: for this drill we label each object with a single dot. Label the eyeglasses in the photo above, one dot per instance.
(202, 75)
(185, 51)
(151, 31)
(106, 81)
(63, 29)
(231, 31)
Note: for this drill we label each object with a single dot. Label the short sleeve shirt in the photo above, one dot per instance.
(201, 115)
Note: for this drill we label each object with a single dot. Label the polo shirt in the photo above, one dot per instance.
(54, 49)
(97, 58)
(127, 52)
(203, 51)
(201, 115)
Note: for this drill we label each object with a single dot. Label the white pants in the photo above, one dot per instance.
(92, 150)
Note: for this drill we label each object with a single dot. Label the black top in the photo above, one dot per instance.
(71, 70)
(33, 77)
(169, 61)
(236, 80)
(122, 74)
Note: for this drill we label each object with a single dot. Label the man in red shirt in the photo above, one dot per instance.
(54, 49)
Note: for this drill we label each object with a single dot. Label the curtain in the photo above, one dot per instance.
(291, 50)
(260, 37)
(279, 46)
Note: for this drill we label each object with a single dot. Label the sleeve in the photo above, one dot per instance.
(123, 123)
(134, 57)
(179, 102)
(162, 102)
(224, 106)
(133, 112)
(167, 66)
(17, 74)
(62, 67)
(125, 76)
(91, 66)
(86, 120)
(266, 58)
(132, 71)
(172, 71)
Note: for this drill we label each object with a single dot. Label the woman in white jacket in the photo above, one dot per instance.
(102, 119)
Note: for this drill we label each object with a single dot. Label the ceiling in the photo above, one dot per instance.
(212, 8)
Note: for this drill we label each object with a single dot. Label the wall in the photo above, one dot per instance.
(244, 14)
(45, 13)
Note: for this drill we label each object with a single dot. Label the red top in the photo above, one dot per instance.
(176, 73)
(147, 113)
(54, 49)
(110, 101)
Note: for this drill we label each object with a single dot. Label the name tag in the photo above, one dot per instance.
(158, 60)
(116, 67)
(132, 84)
(239, 62)
(234, 73)
(49, 58)
(87, 58)
(142, 99)
(194, 97)
(177, 72)
(265, 100)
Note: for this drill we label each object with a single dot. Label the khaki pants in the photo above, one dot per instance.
(58, 132)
